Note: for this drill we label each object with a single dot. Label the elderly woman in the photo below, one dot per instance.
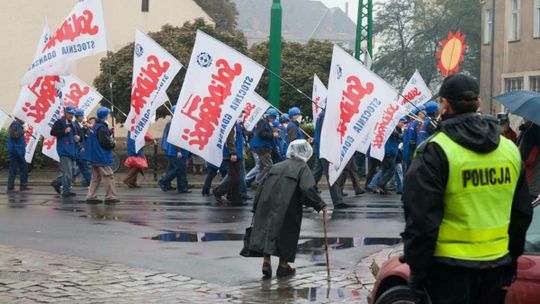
(278, 209)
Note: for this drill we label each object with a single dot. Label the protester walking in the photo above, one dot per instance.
(466, 203)
(507, 131)
(318, 169)
(293, 128)
(212, 172)
(101, 144)
(175, 170)
(529, 148)
(80, 128)
(67, 149)
(233, 154)
(136, 161)
(263, 143)
(16, 148)
(278, 209)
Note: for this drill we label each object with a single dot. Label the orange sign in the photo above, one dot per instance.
(451, 53)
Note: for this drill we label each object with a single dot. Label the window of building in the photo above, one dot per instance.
(534, 83)
(145, 6)
(513, 84)
(514, 22)
(536, 20)
(488, 26)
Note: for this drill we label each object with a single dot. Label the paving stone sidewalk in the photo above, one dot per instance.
(30, 276)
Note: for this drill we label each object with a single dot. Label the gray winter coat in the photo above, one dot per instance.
(278, 208)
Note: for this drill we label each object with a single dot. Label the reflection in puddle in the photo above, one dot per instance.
(307, 246)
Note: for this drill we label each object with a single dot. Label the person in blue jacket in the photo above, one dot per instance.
(427, 128)
(293, 128)
(262, 144)
(66, 147)
(16, 146)
(409, 142)
(177, 169)
(284, 121)
(80, 127)
(101, 144)
(164, 145)
(279, 146)
(388, 165)
(233, 154)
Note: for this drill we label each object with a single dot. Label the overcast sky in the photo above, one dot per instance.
(353, 6)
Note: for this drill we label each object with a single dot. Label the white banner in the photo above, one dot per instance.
(46, 61)
(416, 93)
(319, 95)
(213, 95)
(355, 97)
(255, 108)
(153, 71)
(78, 94)
(49, 149)
(81, 34)
(31, 138)
(38, 104)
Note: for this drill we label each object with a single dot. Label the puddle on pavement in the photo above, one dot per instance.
(306, 245)
(287, 293)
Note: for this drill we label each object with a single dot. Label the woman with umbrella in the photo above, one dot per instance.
(278, 209)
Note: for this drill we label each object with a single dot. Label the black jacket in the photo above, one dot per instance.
(425, 185)
(105, 139)
(278, 209)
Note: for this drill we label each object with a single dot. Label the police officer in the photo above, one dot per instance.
(293, 128)
(66, 147)
(16, 146)
(101, 144)
(466, 205)
(262, 143)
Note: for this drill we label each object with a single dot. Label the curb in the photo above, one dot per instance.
(364, 269)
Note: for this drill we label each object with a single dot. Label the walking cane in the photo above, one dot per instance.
(326, 246)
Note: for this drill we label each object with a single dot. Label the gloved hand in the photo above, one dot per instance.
(510, 274)
(417, 284)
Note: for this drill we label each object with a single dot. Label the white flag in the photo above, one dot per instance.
(153, 71)
(81, 34)
(213, 95)
(3, 117)
(416, 93)
(254, 110)
(46, 61)
(39, 105)
(319, 95)
(49, 148)
(31, 138)
(355, 97)
(77, 93)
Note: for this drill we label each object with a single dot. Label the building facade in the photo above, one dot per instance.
(21, 24)
(510, 49)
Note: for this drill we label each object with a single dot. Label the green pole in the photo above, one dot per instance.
(274, 83)
(364, 27)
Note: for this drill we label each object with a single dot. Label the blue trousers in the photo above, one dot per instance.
(176, 169)
(84, 170)
(17, 161)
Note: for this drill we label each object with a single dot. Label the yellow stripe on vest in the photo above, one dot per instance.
(478, 235)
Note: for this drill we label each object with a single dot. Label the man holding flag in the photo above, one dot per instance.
(66, 147)
(16, 147)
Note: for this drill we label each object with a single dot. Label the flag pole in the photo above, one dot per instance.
(111, 94)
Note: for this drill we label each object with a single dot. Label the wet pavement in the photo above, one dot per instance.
(188, 235)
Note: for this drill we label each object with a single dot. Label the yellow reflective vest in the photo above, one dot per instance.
(477, 201)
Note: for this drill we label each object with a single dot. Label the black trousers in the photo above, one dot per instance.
(457, 285)
(231, 183)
